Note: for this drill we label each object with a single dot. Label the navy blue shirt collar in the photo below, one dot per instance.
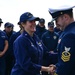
(70, 26)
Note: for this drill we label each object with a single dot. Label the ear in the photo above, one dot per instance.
(66, 17)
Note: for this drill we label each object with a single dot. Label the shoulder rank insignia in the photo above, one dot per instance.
(66, 55)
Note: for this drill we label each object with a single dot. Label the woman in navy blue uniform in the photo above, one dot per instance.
(28, 49)
(66, 45)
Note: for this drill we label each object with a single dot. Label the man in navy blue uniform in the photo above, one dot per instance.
(50, 38)
(3, 49)
(63, 16)
(9, 31)
(40, 28)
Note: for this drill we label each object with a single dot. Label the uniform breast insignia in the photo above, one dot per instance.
(66, 54)
(54, 37)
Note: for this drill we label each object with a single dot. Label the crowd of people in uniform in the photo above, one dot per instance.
(35, 50)
(49, 37)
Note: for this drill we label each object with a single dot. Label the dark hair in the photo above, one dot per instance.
(70, 14)
(19, 23)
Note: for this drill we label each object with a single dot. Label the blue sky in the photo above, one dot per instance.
(10, 10)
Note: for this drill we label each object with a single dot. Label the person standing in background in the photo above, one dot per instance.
(40, 28)
(8, 29)
(3, 50)
(50, 38)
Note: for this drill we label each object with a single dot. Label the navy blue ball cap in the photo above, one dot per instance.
(50, 24)
(56, 12)
(12, 25)
(1, 20)
(7, 24)
(27, 16)
(42, 20)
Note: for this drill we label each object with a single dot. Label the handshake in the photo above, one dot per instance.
(50, 69)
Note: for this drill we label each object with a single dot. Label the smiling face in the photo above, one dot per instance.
(29, 26)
